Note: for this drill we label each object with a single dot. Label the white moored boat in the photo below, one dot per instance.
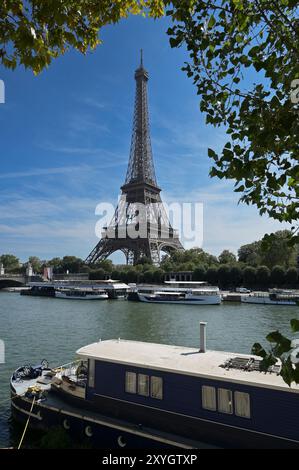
(81, 294)
(184, 293)
(274, 297)
(180, 297)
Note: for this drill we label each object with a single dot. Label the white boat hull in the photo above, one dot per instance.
(60, 295)
(200, 300)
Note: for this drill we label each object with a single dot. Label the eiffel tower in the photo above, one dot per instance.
(140, 227)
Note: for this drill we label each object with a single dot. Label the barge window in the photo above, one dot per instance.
(157, 388)
(225, 401)
(242, 404)
(91, 373)
(208, 398)
(143, 385)
(131, 382)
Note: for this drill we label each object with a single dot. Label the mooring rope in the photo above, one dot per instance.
(26, 425)
(11, 398)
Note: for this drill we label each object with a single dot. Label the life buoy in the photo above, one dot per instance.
(66, 424)
(121, 442)
(88, 431)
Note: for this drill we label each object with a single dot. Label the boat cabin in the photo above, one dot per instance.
(191, 391)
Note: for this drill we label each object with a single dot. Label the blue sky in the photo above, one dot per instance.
(65, 140)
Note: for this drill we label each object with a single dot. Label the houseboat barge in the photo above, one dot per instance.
(136, 394)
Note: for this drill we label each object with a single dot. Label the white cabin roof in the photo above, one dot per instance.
(183, 360)
(186, 282)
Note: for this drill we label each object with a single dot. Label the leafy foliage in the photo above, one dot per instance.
(67, 263)
(281, 349)
(277, 276)
(227, 257)
(271, 250)
(188, 260)
(291, 276)
(36, 263)
(10, 262)
(33, 33)
(249, 276)
(263, 275)
(230, 41)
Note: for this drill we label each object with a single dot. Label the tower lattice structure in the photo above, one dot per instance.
(140, 227)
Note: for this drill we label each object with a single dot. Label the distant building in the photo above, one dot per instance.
(2, 270)
(183, 276)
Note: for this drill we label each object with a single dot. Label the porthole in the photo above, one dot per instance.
(66, 424)
(121, 442)
(88, 431)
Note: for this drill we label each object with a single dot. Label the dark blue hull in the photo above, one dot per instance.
(88, 431)
(107, 432)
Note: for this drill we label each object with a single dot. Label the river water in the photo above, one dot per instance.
(35, 328)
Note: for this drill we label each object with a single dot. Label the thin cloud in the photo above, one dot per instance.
(86, 123)
(93, 103)
(43, 172)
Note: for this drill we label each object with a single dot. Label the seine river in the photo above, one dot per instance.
(38, 328)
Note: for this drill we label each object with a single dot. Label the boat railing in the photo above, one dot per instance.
(67, 369)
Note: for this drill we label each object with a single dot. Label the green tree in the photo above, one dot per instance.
(271, 250)
(212, 276)
(132, 275)
(277, 276)
(158, 276)
(71, 264)
(226, 40)
(10, 262)
(116, 274)
(227, 257)
(56, 264)
(144, 260)
(236, 276)
(148, 276)
(291, 277)
(276, 249)
(199, 274)
(34, 33)
(36, 264)
(249, 276)
(187, 260)
(263, 276)
(105, 264)
(224, 275)
(250, 254)
(98, 274)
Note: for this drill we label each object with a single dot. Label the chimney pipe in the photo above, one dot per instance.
(203, 339)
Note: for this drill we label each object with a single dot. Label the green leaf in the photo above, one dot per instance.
(258, 350)
(295, 325)
(287, 372)
(174, 42)
(212, 153)
(212, 22)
